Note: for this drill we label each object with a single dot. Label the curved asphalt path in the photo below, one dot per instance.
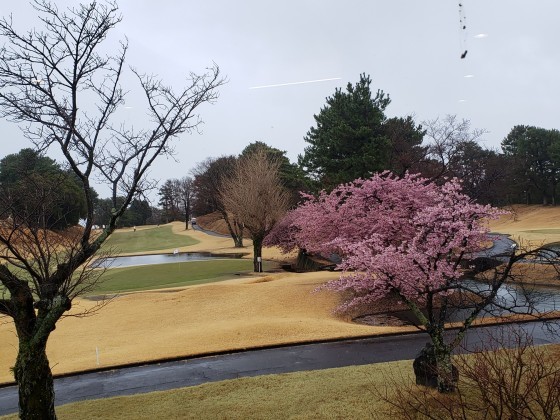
(208, 232)
(195, 371)
(176, 374)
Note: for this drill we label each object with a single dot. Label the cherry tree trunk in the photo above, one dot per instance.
(433, 366)
(447, 374)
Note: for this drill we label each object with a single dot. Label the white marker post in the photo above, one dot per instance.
(97, 355)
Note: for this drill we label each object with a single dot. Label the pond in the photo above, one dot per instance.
(176, 257)
(510, 299)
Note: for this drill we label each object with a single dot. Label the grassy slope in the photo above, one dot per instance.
(160, 276)
(128, 241)
(531, 225)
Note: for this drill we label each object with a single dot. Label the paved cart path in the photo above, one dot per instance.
(169, 375)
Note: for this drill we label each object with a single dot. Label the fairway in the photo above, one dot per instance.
(543, 231)
(160, 276)
(146, 240)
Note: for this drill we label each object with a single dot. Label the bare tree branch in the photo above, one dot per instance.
(445, 136)
(256, 196)
(64, 92)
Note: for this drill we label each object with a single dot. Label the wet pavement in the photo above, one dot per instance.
(169, 375)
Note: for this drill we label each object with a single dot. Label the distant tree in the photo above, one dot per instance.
(291, 175)
(406, 152)
(184, 191)
(256, 196)
(27, 174)
(445, 137)
(155, 216)
(169, 201)
(403, 237)
(102, 211)
(209, 177)
(481, 171)
(535, 150)
(348, 140)
(176, 199)
(137, 214)
(63, 89)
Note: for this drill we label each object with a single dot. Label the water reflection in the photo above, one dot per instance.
(511, 299)
(176, 257)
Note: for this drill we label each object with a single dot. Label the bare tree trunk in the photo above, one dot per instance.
(187, 214)
(446, 377)
(257, 254)
(237, 238)
(35, 381)
(34, 324)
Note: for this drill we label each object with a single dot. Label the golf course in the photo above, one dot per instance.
(179, 309)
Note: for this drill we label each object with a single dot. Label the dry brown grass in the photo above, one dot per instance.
(235, 314)
(278, 308)
(531, 225)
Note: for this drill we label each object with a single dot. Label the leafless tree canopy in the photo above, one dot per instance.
(63, 91)
(209, 177)
(445, 137)
(256, 196)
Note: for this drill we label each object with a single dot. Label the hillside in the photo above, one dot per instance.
(530, 225)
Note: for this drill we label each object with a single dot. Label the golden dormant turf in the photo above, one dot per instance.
(234, 314)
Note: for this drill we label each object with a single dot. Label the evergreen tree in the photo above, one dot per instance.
(29, 181)
(349, 140)
(536, 151)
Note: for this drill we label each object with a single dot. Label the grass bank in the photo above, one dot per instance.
(160, 276)
(147, 239)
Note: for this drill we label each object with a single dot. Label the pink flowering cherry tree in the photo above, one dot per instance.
(404, 237)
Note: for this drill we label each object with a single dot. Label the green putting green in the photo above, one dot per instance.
(145, 240)
(159, 276)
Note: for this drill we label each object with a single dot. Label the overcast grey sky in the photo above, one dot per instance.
(410, 48)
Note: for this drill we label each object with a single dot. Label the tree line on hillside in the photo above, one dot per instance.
(353, 138)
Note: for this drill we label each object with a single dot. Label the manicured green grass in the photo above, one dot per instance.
(145, 240)
(343, 393)
(159, 276)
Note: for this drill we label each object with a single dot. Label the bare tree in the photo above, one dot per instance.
(58, 86)
(184, 191)
(255, 194)
(208, 180)
(445, 137)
